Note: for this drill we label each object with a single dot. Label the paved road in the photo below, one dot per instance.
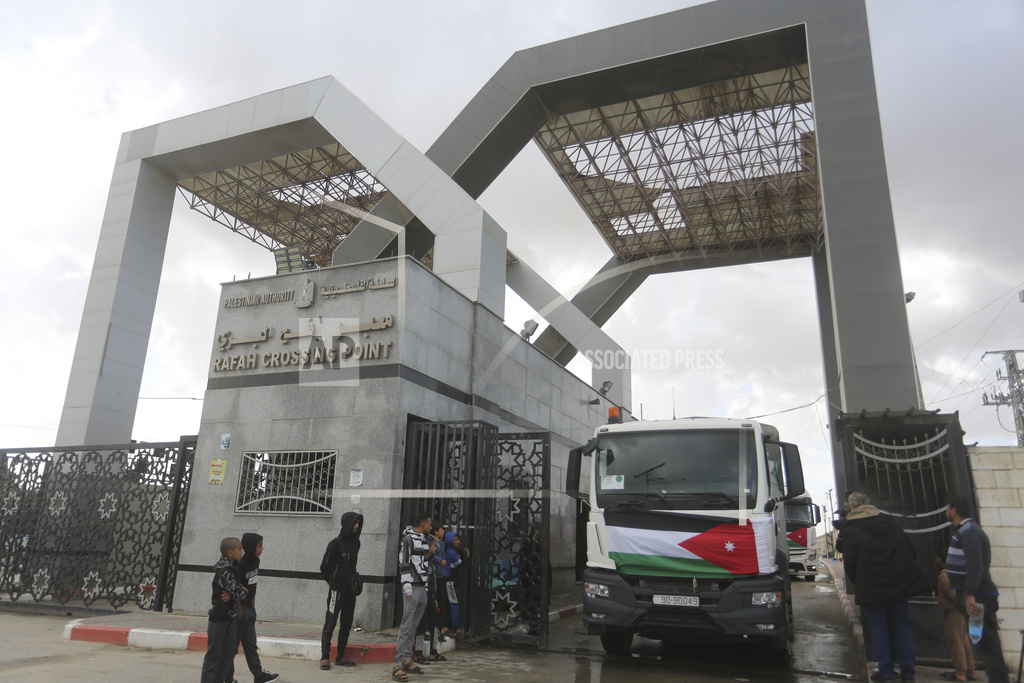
(33, 650)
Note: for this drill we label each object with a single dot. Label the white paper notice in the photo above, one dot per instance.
(355, 478)
(610, 482)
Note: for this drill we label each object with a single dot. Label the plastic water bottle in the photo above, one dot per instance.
(975, 624)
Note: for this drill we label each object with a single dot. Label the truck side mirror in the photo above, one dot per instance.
(794, 470)
(572, 473)
(575, 466)
(817, 514)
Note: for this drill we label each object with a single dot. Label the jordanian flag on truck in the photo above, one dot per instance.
(797, 539)
(666, 544)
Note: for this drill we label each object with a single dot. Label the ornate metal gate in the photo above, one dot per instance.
(910, 464)
(97, 523)
(493, 489)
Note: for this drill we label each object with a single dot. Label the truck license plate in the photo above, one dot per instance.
(677, 600)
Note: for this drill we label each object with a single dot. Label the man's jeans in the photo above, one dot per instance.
(414, 608)
(890, 636)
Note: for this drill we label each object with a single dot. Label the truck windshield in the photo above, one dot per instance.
(798, 515)
(683, 470)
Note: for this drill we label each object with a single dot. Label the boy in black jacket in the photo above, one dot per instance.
(220, 630)
(338, 568)
(248, 571)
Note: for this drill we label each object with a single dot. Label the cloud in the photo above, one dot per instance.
(948, 83)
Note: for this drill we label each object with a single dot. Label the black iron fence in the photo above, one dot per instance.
(491, 488)
(94, 524)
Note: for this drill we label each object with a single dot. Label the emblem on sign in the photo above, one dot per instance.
(305, 297)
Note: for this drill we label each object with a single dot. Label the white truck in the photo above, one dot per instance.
(802, 516)
(687, 531)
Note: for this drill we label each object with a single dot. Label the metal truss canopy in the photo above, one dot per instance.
(704, 171)
(310, 199)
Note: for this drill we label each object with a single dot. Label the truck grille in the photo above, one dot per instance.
(686, 586)
(669, 619)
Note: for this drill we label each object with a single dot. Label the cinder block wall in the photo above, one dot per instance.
(999, 478)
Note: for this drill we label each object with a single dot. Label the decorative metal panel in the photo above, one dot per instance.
(492, 489)
(909, 465)
(287, 483)
(98, 525)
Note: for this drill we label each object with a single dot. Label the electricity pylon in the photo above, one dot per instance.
(1014, 397)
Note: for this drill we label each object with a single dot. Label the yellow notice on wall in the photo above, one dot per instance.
(217, 469)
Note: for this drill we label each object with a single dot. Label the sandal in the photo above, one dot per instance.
(344, 661)
(420, 659)
(951, 676)
(398, 674)
(411, 668)
(325, 665)
(437, 657)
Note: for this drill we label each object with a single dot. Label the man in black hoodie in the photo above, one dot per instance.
(247, 572)
(880, 560)
(339, 571)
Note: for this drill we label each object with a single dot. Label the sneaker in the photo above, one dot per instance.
(267, 677)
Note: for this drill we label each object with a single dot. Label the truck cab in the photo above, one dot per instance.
(802, 516)
(686, 535)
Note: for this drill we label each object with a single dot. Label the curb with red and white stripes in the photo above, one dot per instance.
(293, 648)
(163, 639)
(564, 613)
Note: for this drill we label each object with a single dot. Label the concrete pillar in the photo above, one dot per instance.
(106, 373)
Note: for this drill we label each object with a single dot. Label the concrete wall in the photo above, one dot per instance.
(999, 479)
(448, 359)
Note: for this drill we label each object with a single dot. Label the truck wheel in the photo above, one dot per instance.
(778, 652)
(617, 642)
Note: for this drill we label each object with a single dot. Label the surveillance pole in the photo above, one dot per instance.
(1014, 397)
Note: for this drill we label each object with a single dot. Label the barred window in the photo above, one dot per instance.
(287, 483)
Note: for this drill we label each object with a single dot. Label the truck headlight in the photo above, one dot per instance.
(595, 590)
(767, 599)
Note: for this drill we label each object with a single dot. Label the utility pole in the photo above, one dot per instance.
(829, 528)
(1014, 397)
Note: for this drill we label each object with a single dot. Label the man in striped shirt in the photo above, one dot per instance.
(967, 565)
(413, 564)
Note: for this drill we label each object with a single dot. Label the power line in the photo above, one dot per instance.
(787, 410)
(975, 346)
(168, 398)
(1014, 289)
(39, 429)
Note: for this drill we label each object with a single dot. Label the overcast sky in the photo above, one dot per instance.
(77, 75)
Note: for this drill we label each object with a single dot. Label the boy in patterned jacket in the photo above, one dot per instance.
(220, 630)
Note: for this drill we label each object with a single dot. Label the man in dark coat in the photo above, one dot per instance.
(880, 560)
(338, 568)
